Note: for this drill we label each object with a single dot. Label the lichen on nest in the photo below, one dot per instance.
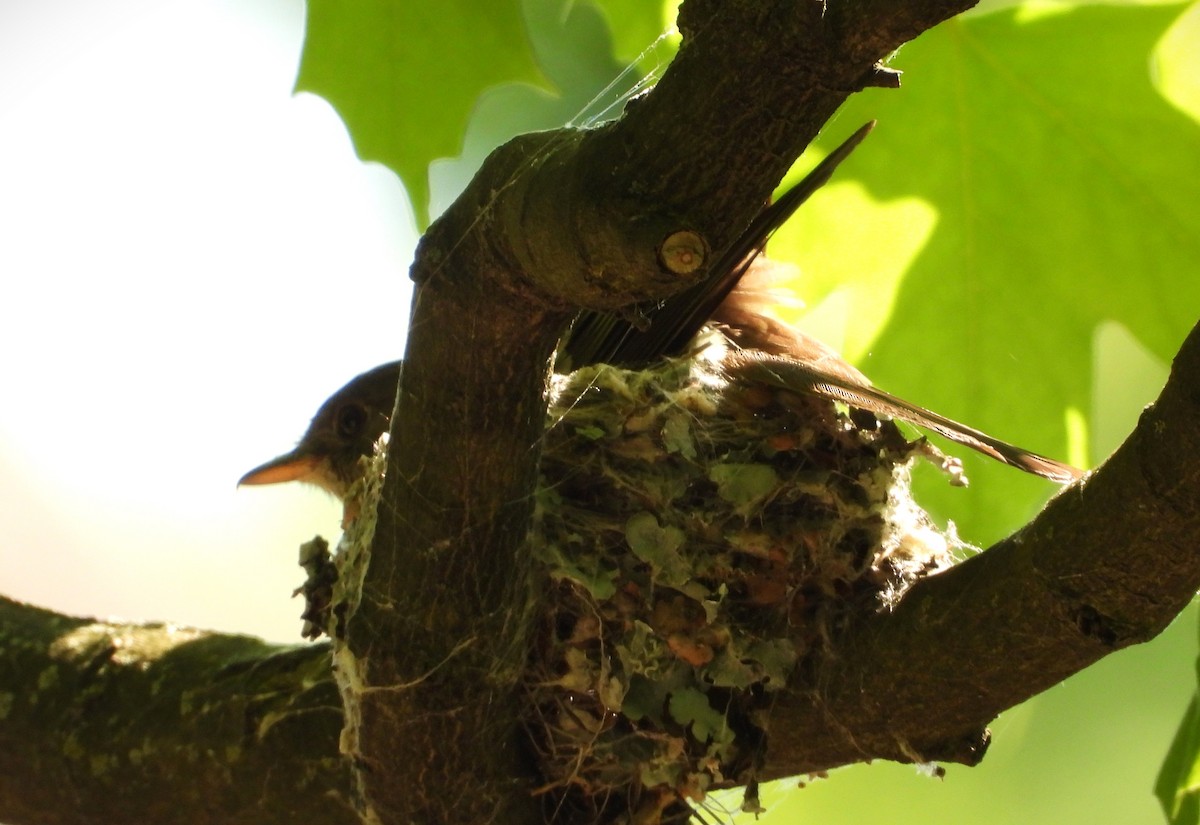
(704, 542)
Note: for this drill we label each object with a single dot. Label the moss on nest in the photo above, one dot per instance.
(704, 542)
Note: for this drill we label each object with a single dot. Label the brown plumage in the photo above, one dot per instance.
(731, 297)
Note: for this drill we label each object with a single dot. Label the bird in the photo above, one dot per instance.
(730, 297)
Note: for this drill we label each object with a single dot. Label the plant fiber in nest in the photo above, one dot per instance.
(703, 542)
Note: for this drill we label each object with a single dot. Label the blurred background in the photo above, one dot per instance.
(187, 251)
(192, 259)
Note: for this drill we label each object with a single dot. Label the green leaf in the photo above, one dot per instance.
(635, 25)
(745, 486)
(590, 432)
(573, 47)
(1021, 189)
(658, 546)
(727, 670)
(767, 662)
(1178, 783)
(644, 699)
(777, 658)
(677, 435)
(587, 569)
(404, 75)
(688, 706)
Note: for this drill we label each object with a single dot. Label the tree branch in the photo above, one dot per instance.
(555, 222)
(1108, 563)
(552, 223)
(161, 725)
(155, 724)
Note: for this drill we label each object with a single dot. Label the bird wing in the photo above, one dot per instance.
(825, 375)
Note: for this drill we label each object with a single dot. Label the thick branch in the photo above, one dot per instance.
(155, 725)
(1108, 563)
(161, 725)
(158, 725)
(752, 85)
(554, 222)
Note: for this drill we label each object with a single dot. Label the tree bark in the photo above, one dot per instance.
(553, 223)
(1108, 563)
(117, 723)
(103, 722)
(162, 725)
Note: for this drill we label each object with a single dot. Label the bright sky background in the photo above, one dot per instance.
(191, 260)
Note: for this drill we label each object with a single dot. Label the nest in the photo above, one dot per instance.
(704, 543)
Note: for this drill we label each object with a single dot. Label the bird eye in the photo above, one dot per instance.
(350, 420)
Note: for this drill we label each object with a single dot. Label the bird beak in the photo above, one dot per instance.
(291, 466)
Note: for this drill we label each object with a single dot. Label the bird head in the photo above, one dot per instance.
(344, 430)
